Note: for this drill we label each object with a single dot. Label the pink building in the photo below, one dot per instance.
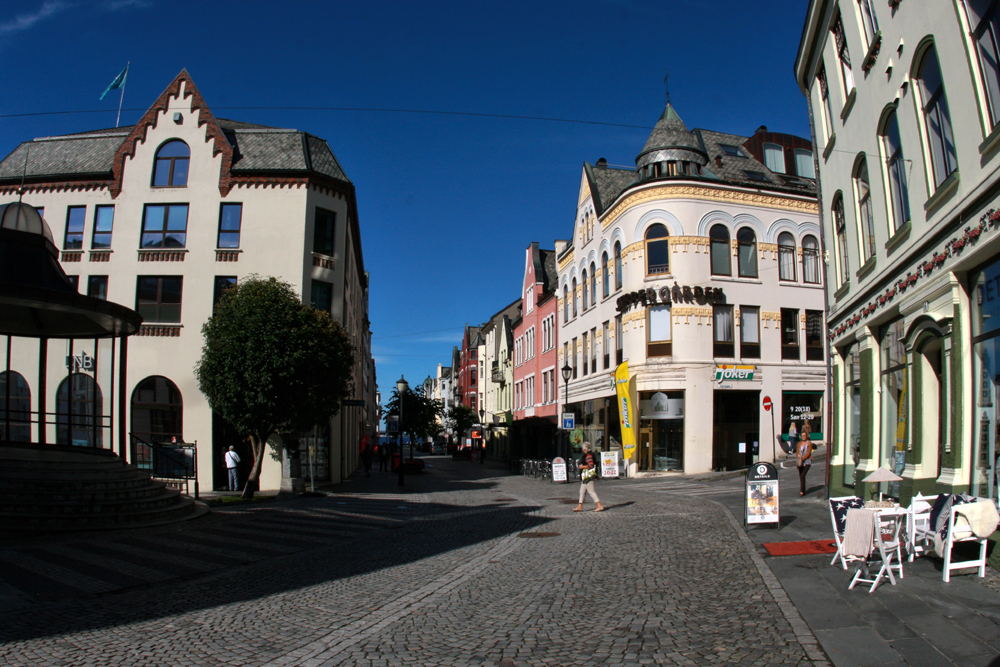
(535, 354)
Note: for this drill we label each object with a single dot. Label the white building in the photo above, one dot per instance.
(704, 257)
(905, 102)
(163, 216)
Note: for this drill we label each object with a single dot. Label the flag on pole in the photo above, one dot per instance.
(119, 82)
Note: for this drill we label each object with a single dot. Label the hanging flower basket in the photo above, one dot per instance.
(939, 259)
(958, 244)
(972, 233)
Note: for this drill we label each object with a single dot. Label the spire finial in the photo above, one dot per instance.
(666, 85)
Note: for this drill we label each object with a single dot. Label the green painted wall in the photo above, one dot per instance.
(953, 459)
(916, 411)
(838, 417)
(836, 482)
(868, 407)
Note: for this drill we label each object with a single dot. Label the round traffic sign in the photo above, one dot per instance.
(767, 403)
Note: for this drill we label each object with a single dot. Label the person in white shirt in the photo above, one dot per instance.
(232, 461)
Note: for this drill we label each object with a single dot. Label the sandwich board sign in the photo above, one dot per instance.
(559, 469)
(761, 500)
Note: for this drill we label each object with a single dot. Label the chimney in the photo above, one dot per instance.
(560, 246)
(718, 161)
(602, 163)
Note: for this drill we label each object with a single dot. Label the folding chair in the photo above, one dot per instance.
(919, 532)
(888, 523)
(959, 530)
(838, 517)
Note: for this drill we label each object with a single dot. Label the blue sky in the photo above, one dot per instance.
(447, 203)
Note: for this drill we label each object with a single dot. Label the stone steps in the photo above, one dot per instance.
(51, 487)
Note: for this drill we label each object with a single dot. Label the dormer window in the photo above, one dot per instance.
(729, 149)
(755, 175)
(774, 158)
(171, 165)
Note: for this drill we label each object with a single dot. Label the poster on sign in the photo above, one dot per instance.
(762, 494)
(558, 469)
(609, 465)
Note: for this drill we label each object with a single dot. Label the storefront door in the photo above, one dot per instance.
(736, 417)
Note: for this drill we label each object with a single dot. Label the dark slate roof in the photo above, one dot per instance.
(606, 183)
(257, 148)
(733, 168)
(670, 132)
(550, 274)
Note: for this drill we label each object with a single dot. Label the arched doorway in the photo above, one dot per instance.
(930, 409)
(157, 416)
(79, 411)
(15, 426)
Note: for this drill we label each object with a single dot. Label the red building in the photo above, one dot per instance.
(535, 356)
(468, 370)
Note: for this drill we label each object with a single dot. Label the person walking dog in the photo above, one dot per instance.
(232, 465)
(588, 473)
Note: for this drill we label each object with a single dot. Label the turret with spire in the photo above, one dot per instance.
(671, 150)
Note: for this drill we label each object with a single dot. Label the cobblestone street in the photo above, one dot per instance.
(468, 566)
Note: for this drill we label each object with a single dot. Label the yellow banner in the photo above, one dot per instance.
(625, 410)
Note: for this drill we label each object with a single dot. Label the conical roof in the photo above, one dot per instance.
(670, 133)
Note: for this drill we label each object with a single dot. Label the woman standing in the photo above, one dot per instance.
(804, 455)
(588, 473)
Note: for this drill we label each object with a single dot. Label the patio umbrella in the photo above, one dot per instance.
(882, 475)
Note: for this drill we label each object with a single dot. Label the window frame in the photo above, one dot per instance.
(790, 337)
(742, 244)
(894, 164)
(987, 26)
(715, 241)
(801, 153)
(97, 287)
(98, 223)
(71, 230)
(328, 238)
(810, 256)
(933, 105)
(223, 207)
(770, 148)
(865, 211)
(814, 337)
(840, 229)
(786, 256)
(619, 340)
(165, 230)
(605, 275)
(723, 348)
(218, 289)
(618, 265)
(660, 347)
(654, 242)
(749, 349)
(174, 159)
(593, 284)
(156, 316)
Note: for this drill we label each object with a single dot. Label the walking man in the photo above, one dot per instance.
(383, 458)
(232, 463)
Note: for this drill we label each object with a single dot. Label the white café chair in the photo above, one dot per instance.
(838, 518)
(886, 545)
(959, 530)
(919, 532)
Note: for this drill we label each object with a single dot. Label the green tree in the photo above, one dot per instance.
(462, 417)
(271, 364)
(420, 414)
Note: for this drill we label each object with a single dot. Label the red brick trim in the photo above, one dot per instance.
(168, 330)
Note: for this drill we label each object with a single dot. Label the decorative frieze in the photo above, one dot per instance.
(100, 255)
(227, 255)
(72, 256)
(159, 330)
(324, 262)
(162, 255)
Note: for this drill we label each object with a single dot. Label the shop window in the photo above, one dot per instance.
(659, 343)
(984, 17)
(76, 218)
(747, 242)
(866, 220)
(801, 412)
(790, 334)
(895, 165)
(657, 250)
(774, 158)
(157, 416)
(895, 400)
(323, 232)
(618, 265)
(786, 256)
(230, 219)
(97, 287)
(814, 335)
(321, 295)
(661, 438)
(158, 298)
(606, 275)
(78, 401)
(852, 387)
(171, 165)
(749, 332)
(722, 327)
(104, 222)
(937, 119)
(619, 340)
(986, 385)
(840, 223)
(810, 259)
(719, 237)
(14, 391)
(164, 226)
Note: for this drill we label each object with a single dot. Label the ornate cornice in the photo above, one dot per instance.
(566, 260)
(706, 193)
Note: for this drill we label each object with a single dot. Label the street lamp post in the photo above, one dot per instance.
(401, 388)
(567, 372)
(482, 433)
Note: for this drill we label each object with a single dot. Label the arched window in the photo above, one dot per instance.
(574, 297)
(565, 303)
(896, 168)
(747, 241)
(79, 400)
(16, 426)
(583, 285)
(657, 250)
(593, 284)
(157, 416)
(936, 117)
(606, 274)
(618, 265)
(810, 260)
(840, 224)
(171, 165)
(721, 266)
(866, 220)
(985, 22)
(786, 256)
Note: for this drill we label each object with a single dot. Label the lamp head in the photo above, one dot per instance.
(567, 371)
(402, 386)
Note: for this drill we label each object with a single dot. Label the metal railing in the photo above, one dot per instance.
(174, 463)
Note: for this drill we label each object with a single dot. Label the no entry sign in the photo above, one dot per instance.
(767, 403)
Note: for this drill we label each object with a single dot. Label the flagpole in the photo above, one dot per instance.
(122, 97)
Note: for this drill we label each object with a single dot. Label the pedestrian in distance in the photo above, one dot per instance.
(366, 460)
(588, 473)
(383, 458)
(232, 466)
(803, 453)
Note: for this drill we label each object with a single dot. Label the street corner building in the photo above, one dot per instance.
(905, 106)
(163, 216)
(700, 268)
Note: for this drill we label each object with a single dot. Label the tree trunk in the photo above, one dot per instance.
(258, 446)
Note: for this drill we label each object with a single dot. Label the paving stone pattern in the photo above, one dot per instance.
(443, 574)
